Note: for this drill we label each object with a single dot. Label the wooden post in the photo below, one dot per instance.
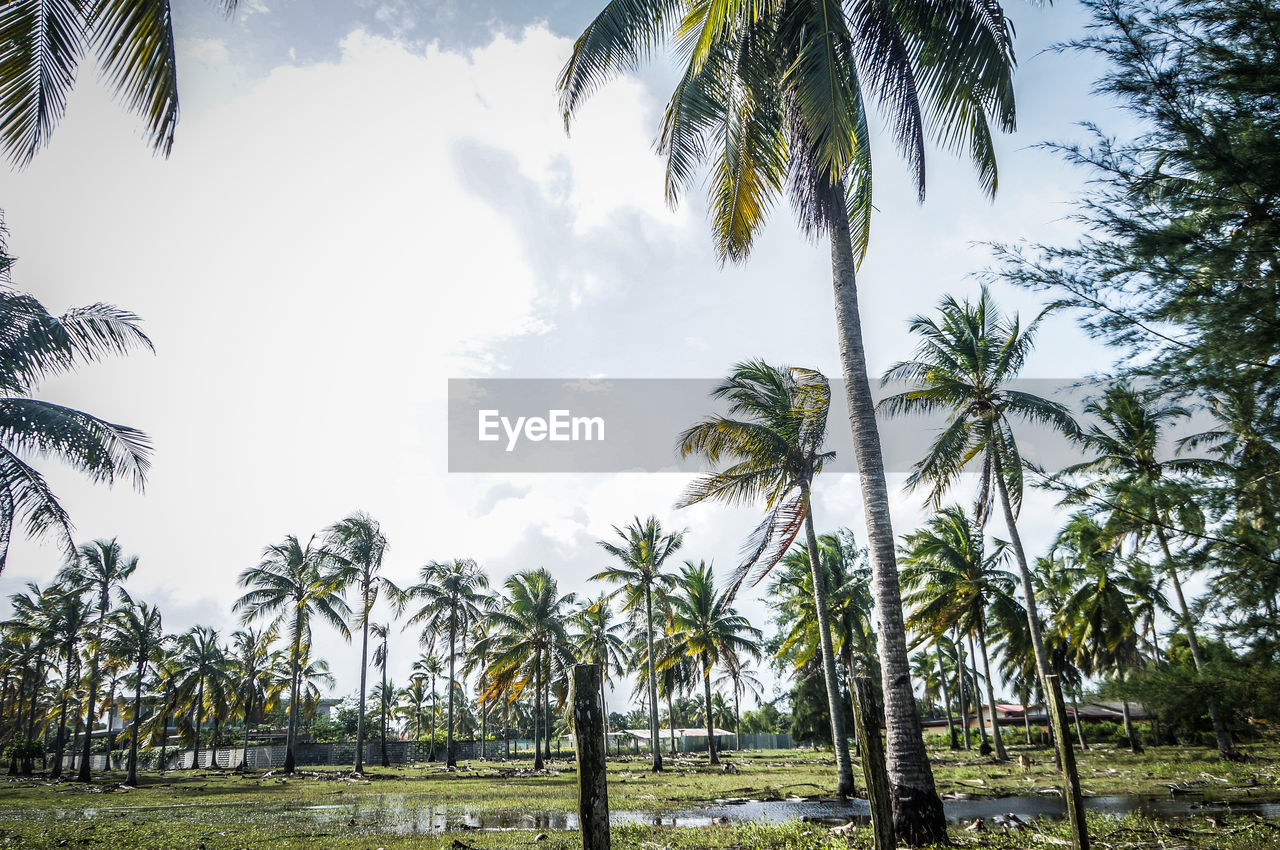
(866, 719)
(1073, 795)
(588, 730)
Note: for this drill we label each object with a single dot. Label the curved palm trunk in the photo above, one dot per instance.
(946, 698)
(132, 777)
(1052, 689)
(449, 759)
(1001, 754)
(364, 683)
(538, 763)
(839, 736)
(1226, 749)
(653, 683)
(917, 811)
(711, 737)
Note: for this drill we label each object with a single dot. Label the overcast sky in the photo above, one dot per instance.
(367, 199)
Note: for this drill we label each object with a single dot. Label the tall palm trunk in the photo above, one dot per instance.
(538, 763)
(604, 709)
(60, 741)
(1135, 743)
(1001, 754)
(170, 697)
(198, 711)
(87, 752)
(946, 697)
(1226, 749)
(1075, 710)
(248, 713)
(294, 663)
(711, 728)
(1025, 696)
(977, 697)
(549, 724)
(962, 676)
(435, 712)
(364, 683)
(737, 719)
(822, 613)
(386, 762)
(1055, 709)
(132, 777)
(917, 811)
(484, 726)
(213, 744)
(449, 759)
(671, 720)
(653, 682)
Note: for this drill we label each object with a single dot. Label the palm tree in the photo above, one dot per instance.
(292, 584)
(774, 449)
(381, 657)
(453, 598)
(358, 544)
(203, 680)
(312, 674)
(35, 346)
(530, 635)
(772, 96)
(1097, 614)
(600, 641)
(30, 632)
(643, 550)
(430, 667)
(708, 628)
(411, 702)
(963, 365)
(67, 620)
(742, 680)
(477, 661)
(252, 668)
(955, 583)
(135, 45)
(1146, 494)
(168, 672)
(136, 635)
(100, 569)
(849, 603)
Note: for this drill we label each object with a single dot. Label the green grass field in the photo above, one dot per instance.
(404, 806)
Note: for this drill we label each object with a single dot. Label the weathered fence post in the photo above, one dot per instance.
(588, 730)
(866, 720)
(1074, 797)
